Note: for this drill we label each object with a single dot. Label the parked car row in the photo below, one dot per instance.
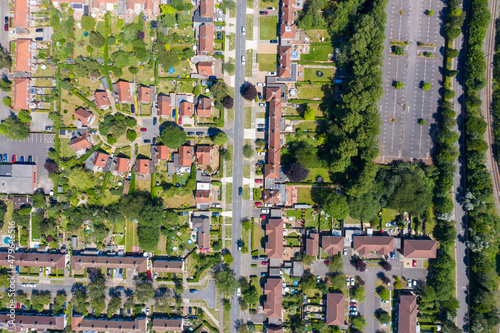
(14, 159)
(197, 133)
(353, 308)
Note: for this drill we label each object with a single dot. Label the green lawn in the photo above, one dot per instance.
(310, 91)
(267, 62)
(248, 63)
(388, 215)
(263, 4)
(268, 26)
(229, 193)
(304, 195)
(249, 27)
(314, 173)
(318, 52)
(66, 149)
(310, 74)
(258, 233)
(248, 117)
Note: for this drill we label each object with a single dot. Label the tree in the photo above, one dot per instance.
(230, 4)
(79, 299)
(386, 265)
(336, 263)
(168, 20)
(173, 136)
(308, 282)
(5, 59)
(398, 50)
(7, 101)
(40, 299)
(384, 294)
(397, 283)
(225, 154)
(399, 85)
(38, 200)
(5, 84)
(131, 135)
(360, 265)
(334, 204)
(144, 291)
(111, 40)
(81, 178)
(219, 90)
(358, 322)
(96, 39)
(133, 70)
(304, 153)
(228, 102)
(225, 282)
(220, 139)
(114, 304)
(3, 211)
(59, 301)
(14, 129)
(358, 292)
(248, 151)
(51, 166)
(309, 113)
(337, 281)
(172, 218)
(88, 23)
(422, 121)
(382, 316)
(426, 86)
(251, 295)
(121, 59)
(24, 116)
(229, 67)
(430, 12)
(296, 172)
(249, 92)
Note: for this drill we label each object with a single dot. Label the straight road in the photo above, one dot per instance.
(239, 110)
(4, 42)
(459, 186)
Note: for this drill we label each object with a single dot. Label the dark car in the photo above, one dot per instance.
(39, 30)
(212, 77)
(30, 159)
(273, 41)
(260, 129)
(132, 108)
(48, 128)
(21, 159)
(218, 53)
(263, 12)
(7, 19)
(240, 191)
(259, 94)
(147, 141)
(154, 121)
(255, 257)
(215, 214)
(200, 133)
(120, 288)
(39, 39)
(193, 291)
(4, 157)
(190, 133)
(6, 27)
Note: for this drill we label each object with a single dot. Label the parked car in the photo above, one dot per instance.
(353, 313)
(264, 263)
(240, 191)
(263, 274)
(352, 308)
(216, 205)
(132, 108)
(147, 311)
(273, 41)
(190, 133)
(258, 203)
(261, 153)
(200, 133)
(270, 8)
(260, 129)
(264, 211)
(414, 263)
(39, 39)
(264, 257)
(393, 254)
(120, 288)
(4, 158)
(352, 281)
(263, 12)
(215, 214)
(193, 291)
(255, 257)
(414, 283)
(259, 94)
(180, 121)
(261, 84)
(218, 53)
(353, 304)
(13, 158)
(259, 181)
(345, 252)
(40, 270)
(347, 282)
(39, 30)
(243, 31)
(6, 27)
(7, 20)
(48, 128)
(147, 141)
(109, 271)
(154, 121)
(271, 73)
(409, 283)
(263, 216)
(144, 129)
(262, 105)
(21, 159)
(242, 60)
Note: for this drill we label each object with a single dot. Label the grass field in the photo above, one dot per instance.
(249, 63)
(314, 173)
(246, 171)
(267, 62)
(249, 27)
(265, 4)
(318, 52)
(257, 236)
(268, 26)
(66, 149)
(229, 193)
(229, 163)
(248, 117)
(310, 74)
(131, 228)
(304, 195)
(310, 91)
(246, 192)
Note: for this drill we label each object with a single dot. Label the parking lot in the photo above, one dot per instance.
(402, 137)
(37, 145)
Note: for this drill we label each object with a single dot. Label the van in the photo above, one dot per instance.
(216, 205)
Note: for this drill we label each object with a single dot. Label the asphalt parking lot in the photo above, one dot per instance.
(37, 145)
(40, 120)
(402, 137)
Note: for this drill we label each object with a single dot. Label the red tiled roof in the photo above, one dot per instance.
(407, 313)
(124, 95)
(186, 155)
(201, 196)
(287, 11)
(21, 93)
(205, 68)
(335, 306)
(207, 8)
(419, 248)
(84, 116)
(168, 266)
(163, 153)
(138, 325)
(143, 166)
(312, 244)
(168, 325)
(369, 244)
(23, 55)
(203, 155)
(271, 196)
(80, 143)
(21, 14)
(274, 149)
(144, 94)
(206, 42)
(273, 290)
(101, 99)
(274, 233)
(287, 31)
(271, 171)
(204, 107)
(122, 164)
(186, 109)
(332, 244)
(100, 159)
(34, 259)
(285, 69)
(273, 93)
(164, 106)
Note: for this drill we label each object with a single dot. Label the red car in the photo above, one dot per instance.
(259, 181)
(6, 27)
(352, 304)
(180, 121)
(149, 275)
(18, 305)
(263, 216)
(258, 203)
(13, 158)
(144, 129)
(264, 263)
(414, 263)
(326, 262)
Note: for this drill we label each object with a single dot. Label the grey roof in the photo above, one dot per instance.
(17, 178)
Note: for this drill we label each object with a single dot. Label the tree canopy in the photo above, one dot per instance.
(14, 129)
(225, 282)
(173, 136)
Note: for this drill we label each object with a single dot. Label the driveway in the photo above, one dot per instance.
(39, 120)
(37, 145)
(153, 131)
(207, 294)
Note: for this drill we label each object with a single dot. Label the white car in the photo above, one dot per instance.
(147, 311)
(347, 282)
(242, 60)
(409, 283)
(264, 211)
(345, 252)
(261, 153)
(271, 73)
(270, 8)
(352, 281)
(243, 31)
(33, 285)
(238, 292)
(261, 84)
(414, 283)
(262, 105)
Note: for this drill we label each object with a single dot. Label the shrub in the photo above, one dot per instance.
(451, 53)
(449, 94)
(249, 92)
(90, 49)
(398, 50)
(430, 12)
(131, 135)
(133, 70)
(248, 152)
(426, 86)
(7, 101)
(399, 85)
(422, 121)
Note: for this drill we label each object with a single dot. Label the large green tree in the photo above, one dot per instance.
(173, 137)
(81, 178)
(14, 129)
(225, 281)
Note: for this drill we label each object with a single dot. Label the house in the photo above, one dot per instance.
(161, 153)
(203, 155)
(33, 259)
(332, 244)
(186, 109)
(312, 244)
(274, 329)
(122, 165)
(144, 95)
(25, 322)
(272, 168)
(202, 199)
(271, 197)
(273, 292)
(20, 202)
(204, 107)
(82, 324)
(165, 106)
(207, 8)
(205, 68)
(168, 325)
(99, 161)
(23, 55)
(201, 225)
(419, 248)
(138, 263)
(168, 266)
(21, 92)
(274, 243)
(84, 117)
(407, 310)
(366, 245)
(124, 92)
(335, 307)
(182, 160)
(206, 39)
(288, 32)
(287, 12)
(143, 166)
(18, 178)
(101, 99)
(22, 14)
(285, 62)
(81, 143)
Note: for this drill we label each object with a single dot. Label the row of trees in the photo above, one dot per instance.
(480, 203)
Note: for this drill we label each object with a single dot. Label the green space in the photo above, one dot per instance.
(249, 63)
(304, 195)
(311, 74)
(267, 62)
(268, 26)
(310, 91)
(249, 27)
(248, 117)
(318, 52)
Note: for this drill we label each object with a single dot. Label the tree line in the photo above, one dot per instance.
(479, 201)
